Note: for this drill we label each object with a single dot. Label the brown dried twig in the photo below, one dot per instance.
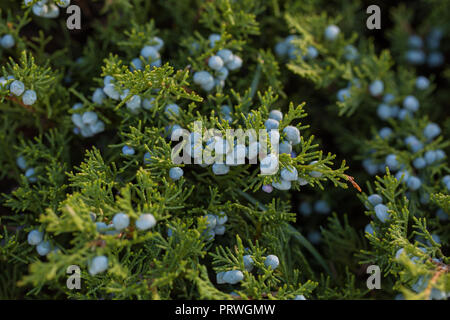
(353, 182)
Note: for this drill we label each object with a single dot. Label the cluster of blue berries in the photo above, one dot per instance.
(150, 54)
(7, 41)
(36, 238)
(215, 224)
(410, 104)
(413, 259)
(422, 282)
(219, 148)
(221, 64)
(287, 175)
(435, 294)
(286, 48)
(87, 124)
(231, 277)
(221, 152)
(375, 202)
(420, 286)
(46, 8)
(416, 54)
(423, 155)
(134, 104)
(422, 158)
(235, 276)
(30, 173)
(18, 89)
(121, 221)
(269, 165)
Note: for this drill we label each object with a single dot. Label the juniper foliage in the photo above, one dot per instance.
(79, 181)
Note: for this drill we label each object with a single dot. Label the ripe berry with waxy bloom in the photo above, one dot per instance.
(411, 103)
(145, 221)
(121, 221)
(292, 134)
(226, 55)
(17, 87)
(290, 173)
(414, 183)
(172, 110)
(431, 131)
(381, 211)
(248, 263)
(43, 248)
(233, 276)
(215, 63)
(422, 83)
(7, 41)
(375, 199)
(376, 88)
(35, 237)
(220, 168)
(276, 115)
(272, 261)
(29, 97)
(98, 265)
(332, 32)
(175, 173)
